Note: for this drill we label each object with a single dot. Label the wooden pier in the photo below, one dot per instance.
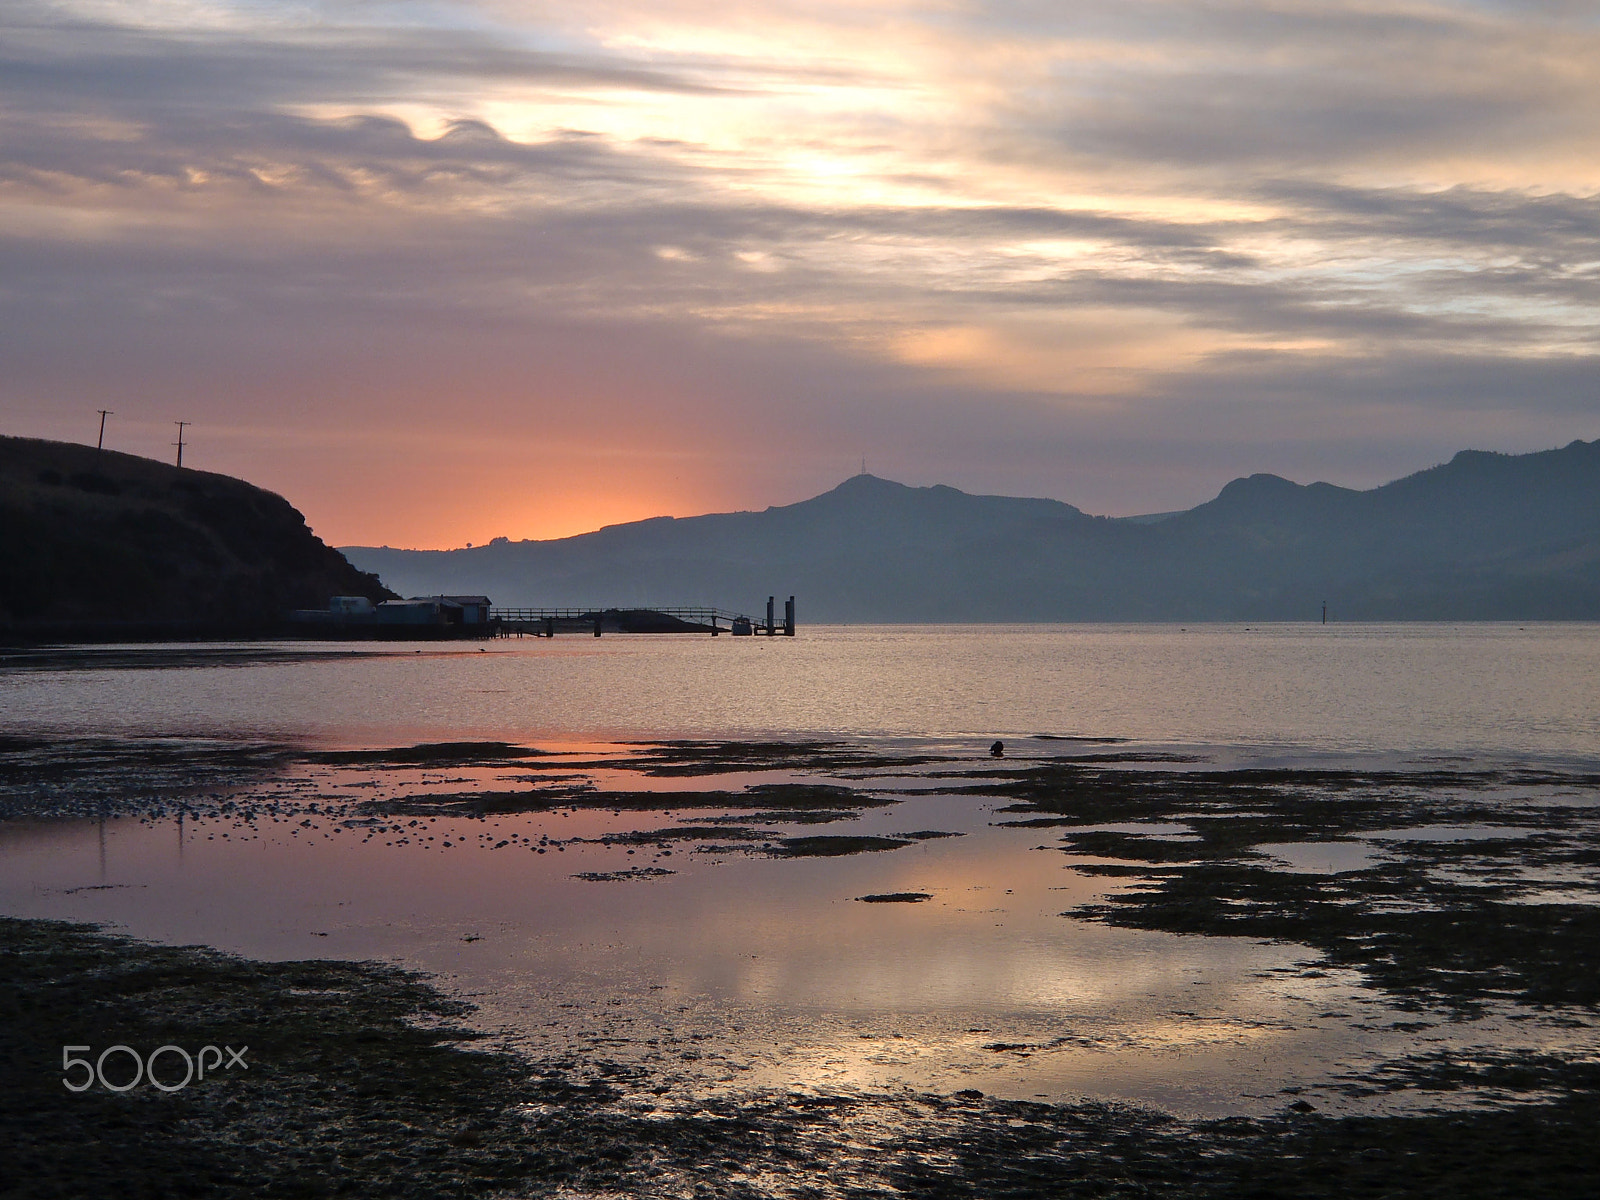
(547, 622)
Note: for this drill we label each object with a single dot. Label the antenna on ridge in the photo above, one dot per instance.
(179, 442)
(104, 413)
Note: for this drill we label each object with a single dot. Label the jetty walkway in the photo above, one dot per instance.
(547, 622)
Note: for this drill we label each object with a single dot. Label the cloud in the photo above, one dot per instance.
(987, 236)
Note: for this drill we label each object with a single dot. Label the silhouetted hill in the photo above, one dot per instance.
(1485, 536)
(99, 542)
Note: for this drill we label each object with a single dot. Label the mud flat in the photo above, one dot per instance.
(362, 1082)
(1458, 899)
(1457, 889)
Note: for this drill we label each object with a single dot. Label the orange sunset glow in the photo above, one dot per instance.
(458, 270)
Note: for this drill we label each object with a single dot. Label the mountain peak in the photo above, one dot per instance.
(858, 491)
(1255, 488)
(867, 485)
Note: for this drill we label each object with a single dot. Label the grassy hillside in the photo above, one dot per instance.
(109, 541)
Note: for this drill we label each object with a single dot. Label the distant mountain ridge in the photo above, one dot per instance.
(1484, 536)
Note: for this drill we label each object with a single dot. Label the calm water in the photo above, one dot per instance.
(736, 971)
(1485, 689)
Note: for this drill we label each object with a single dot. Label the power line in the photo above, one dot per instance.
(179, 442)
(104, 413)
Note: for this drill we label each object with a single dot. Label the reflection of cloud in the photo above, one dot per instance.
(1238, 216)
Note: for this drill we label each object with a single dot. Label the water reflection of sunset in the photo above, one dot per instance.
(854, 994)
(711, 958)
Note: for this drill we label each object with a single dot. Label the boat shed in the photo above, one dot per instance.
(435, 610)
(474, 609)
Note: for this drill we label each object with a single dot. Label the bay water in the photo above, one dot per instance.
(726, 970)
(1474, 689)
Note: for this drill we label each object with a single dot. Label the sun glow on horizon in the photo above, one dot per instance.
(677, 256)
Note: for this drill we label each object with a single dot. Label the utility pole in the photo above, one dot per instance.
(104, 413)
(179, 442)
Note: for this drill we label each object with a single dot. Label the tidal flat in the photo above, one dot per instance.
(806, 968)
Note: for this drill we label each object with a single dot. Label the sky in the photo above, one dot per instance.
(446, 270)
